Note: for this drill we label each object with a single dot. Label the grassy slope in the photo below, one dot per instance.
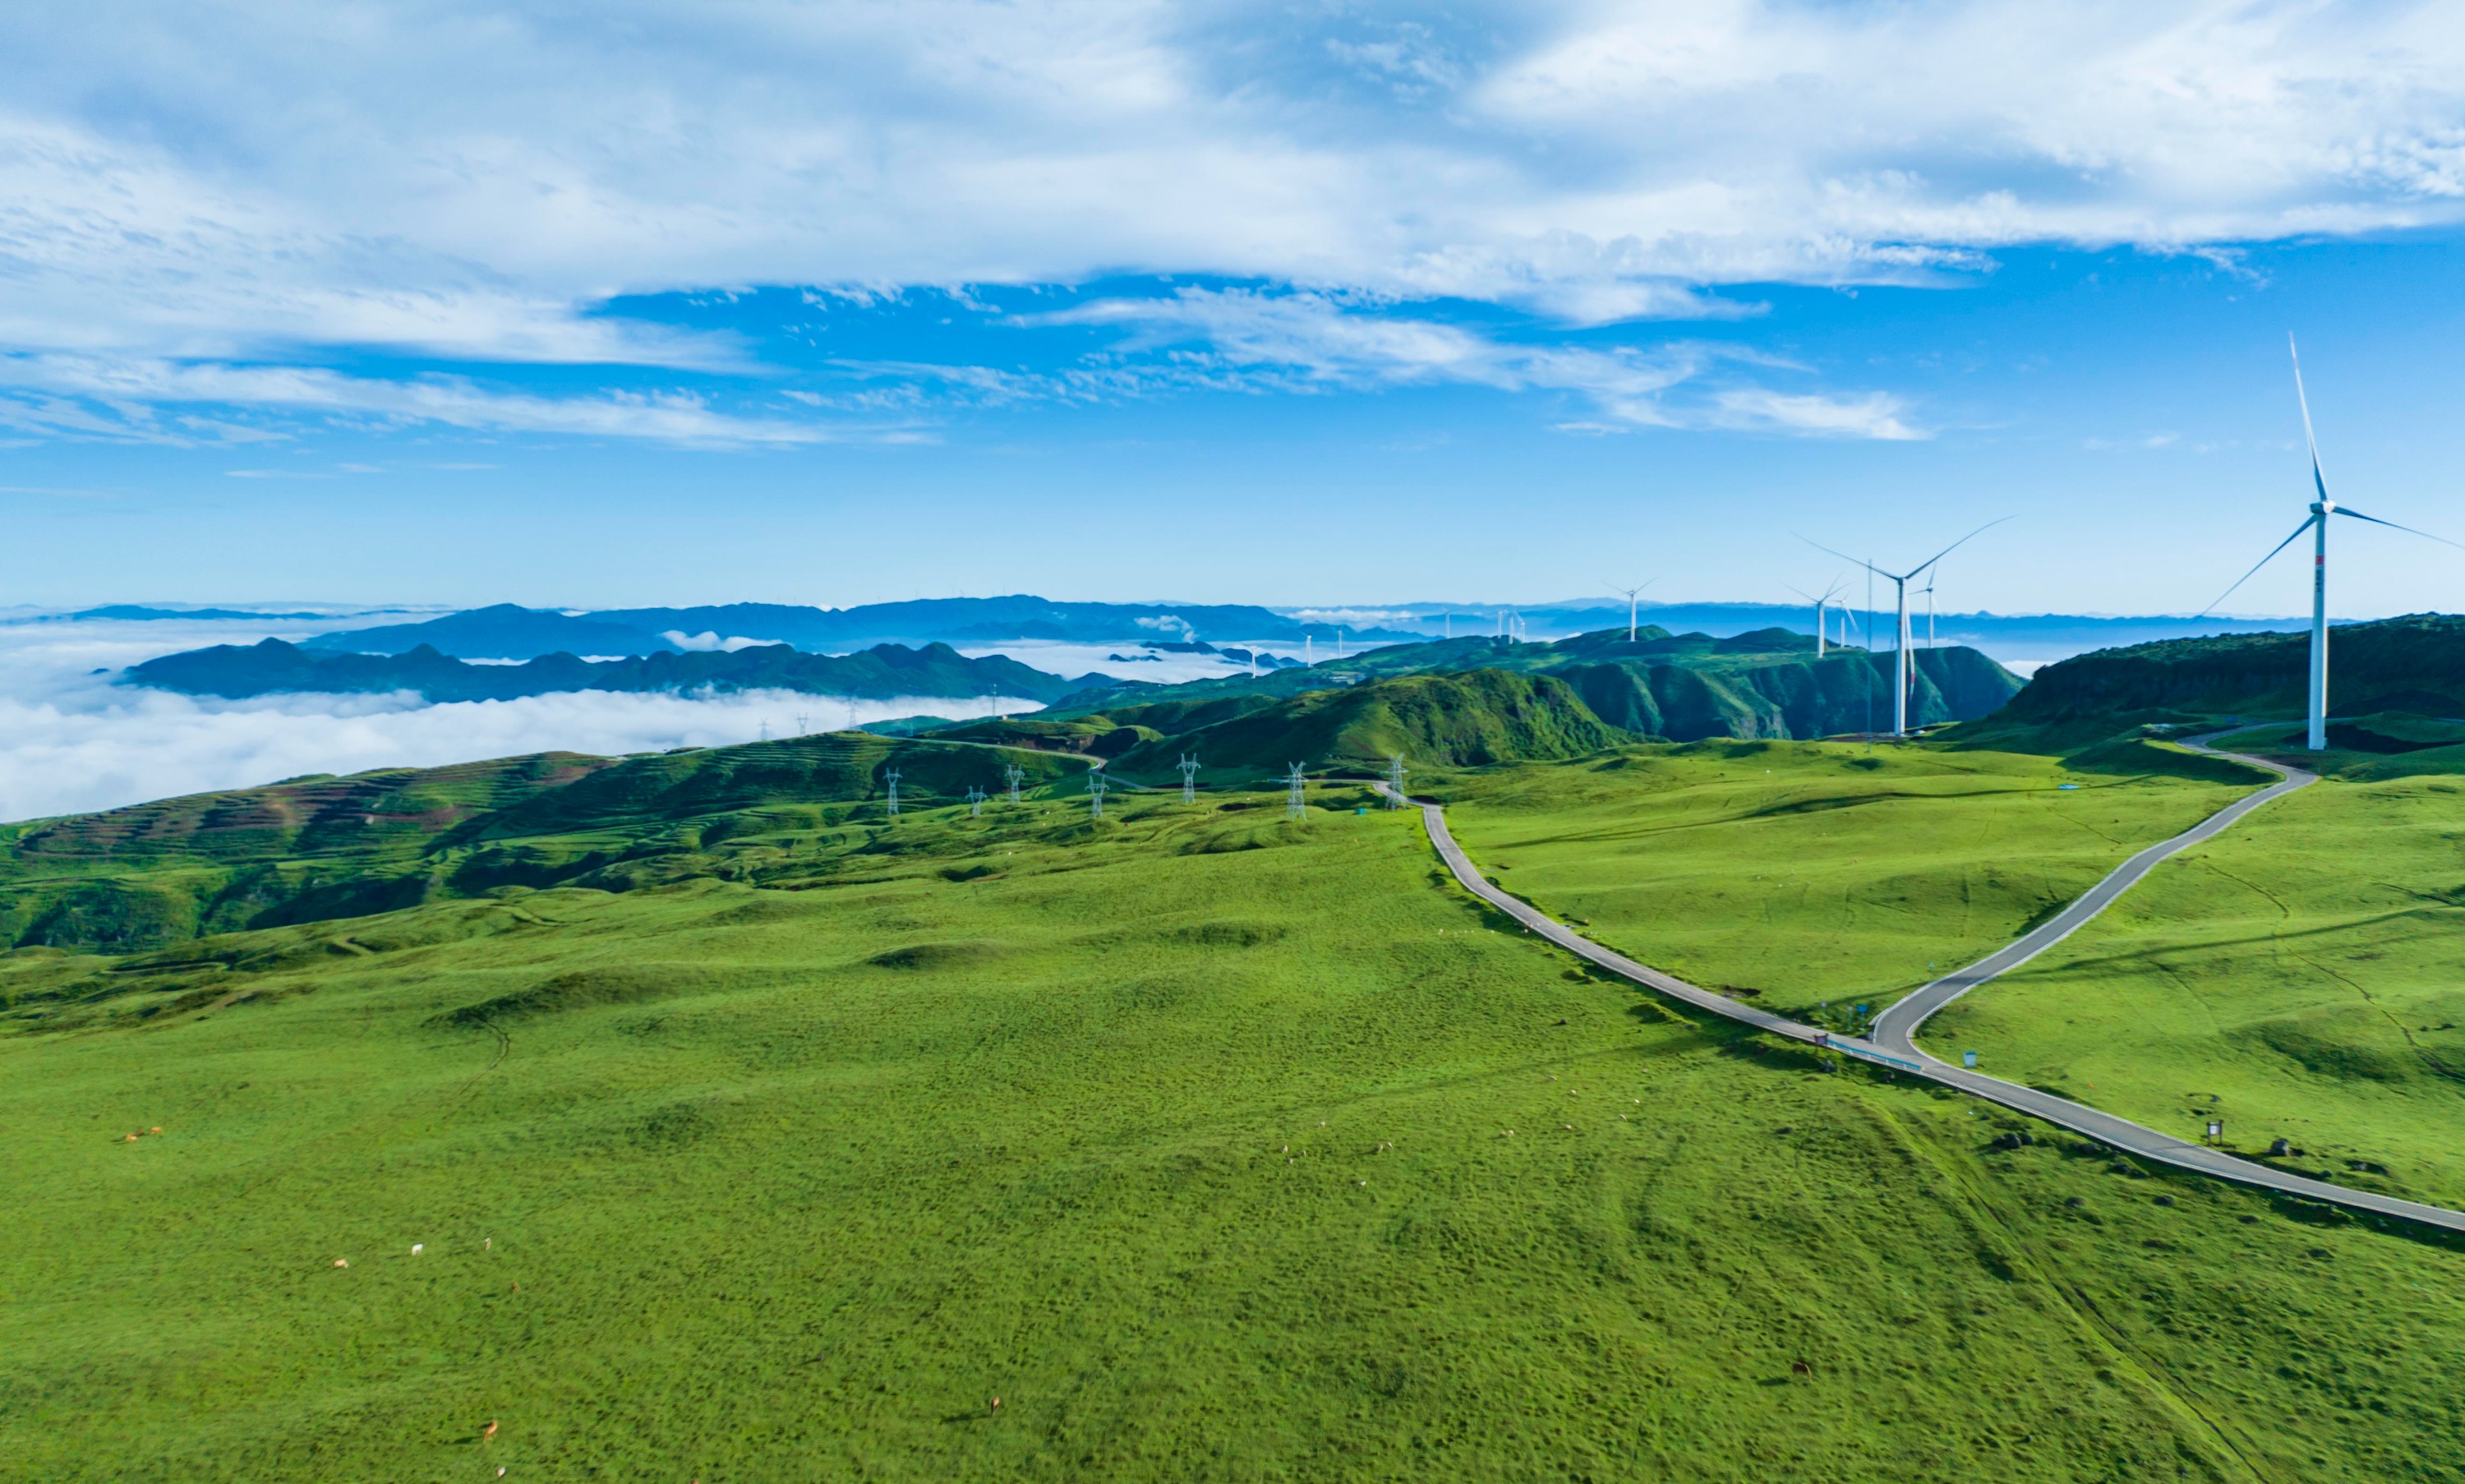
(2299, 975)
(1812, 871)
(786, 1184)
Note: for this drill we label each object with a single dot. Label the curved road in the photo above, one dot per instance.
(1893, 1044)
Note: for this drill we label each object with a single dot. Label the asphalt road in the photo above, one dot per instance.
(1893, 1043)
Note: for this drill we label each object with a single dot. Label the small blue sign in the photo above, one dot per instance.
(1968, 1059)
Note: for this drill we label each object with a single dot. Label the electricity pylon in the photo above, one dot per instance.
(1013, 772)
(892, 779)
(1395, 781)
(1294, 805)
(1190, 778)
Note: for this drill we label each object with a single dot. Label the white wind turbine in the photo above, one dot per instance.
(1632, 602)
(2316, 523)
(1820, 604)
(1903, 662)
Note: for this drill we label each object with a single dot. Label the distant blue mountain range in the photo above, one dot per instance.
(506, 632)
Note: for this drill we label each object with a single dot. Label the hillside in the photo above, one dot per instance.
(273, 667)
(1210, 1144)
(319, 849)
(1683, 687)
(1467, 719)
(2411, 664)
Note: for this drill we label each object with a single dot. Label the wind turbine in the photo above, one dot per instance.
(1631, 602)
(1903, 665)
(1828, 593)
(2316, 523)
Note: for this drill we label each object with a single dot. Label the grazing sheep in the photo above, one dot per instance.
(342, 1262)
(416, 1247)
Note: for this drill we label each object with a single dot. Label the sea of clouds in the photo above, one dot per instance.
(73, 737)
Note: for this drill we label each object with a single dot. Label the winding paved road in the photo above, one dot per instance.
(1894, 1044)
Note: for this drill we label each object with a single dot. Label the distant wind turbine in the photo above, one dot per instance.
(2316, 523)
(1821, 603)
(1631, 602)
(1902, 664)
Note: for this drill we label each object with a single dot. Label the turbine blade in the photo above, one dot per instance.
(1954, 547)
(2319, 481)
(2393, 526)
(2255, 566)
(1843, 556)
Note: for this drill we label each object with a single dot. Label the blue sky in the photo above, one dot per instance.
(1288, 304)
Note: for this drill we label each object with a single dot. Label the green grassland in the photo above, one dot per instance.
(1814, 872)
(2301, 977)
(1186, 1133)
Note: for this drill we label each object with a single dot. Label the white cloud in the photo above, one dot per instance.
(1320, 338)
(117, 399)
(218, 189)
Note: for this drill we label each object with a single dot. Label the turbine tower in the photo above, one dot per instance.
(1188, 778)
(1630, 593)
(1828, 593)
(1295, 806)
(1904, 667)
(2316, 523)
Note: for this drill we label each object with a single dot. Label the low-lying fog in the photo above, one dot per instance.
(71, 739)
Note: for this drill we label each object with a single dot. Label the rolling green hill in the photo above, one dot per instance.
(321, 848)
(1466, 719)
(1213, 1145)
(1683, 687)
(2415, 664)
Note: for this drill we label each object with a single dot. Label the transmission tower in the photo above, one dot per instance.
(1095, 781)
(1013, 773)
(765, 728)
(1190, 778)
(1395, 781)
(892, 778)
(975, 801)
(801, 727)
(1294, 805)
